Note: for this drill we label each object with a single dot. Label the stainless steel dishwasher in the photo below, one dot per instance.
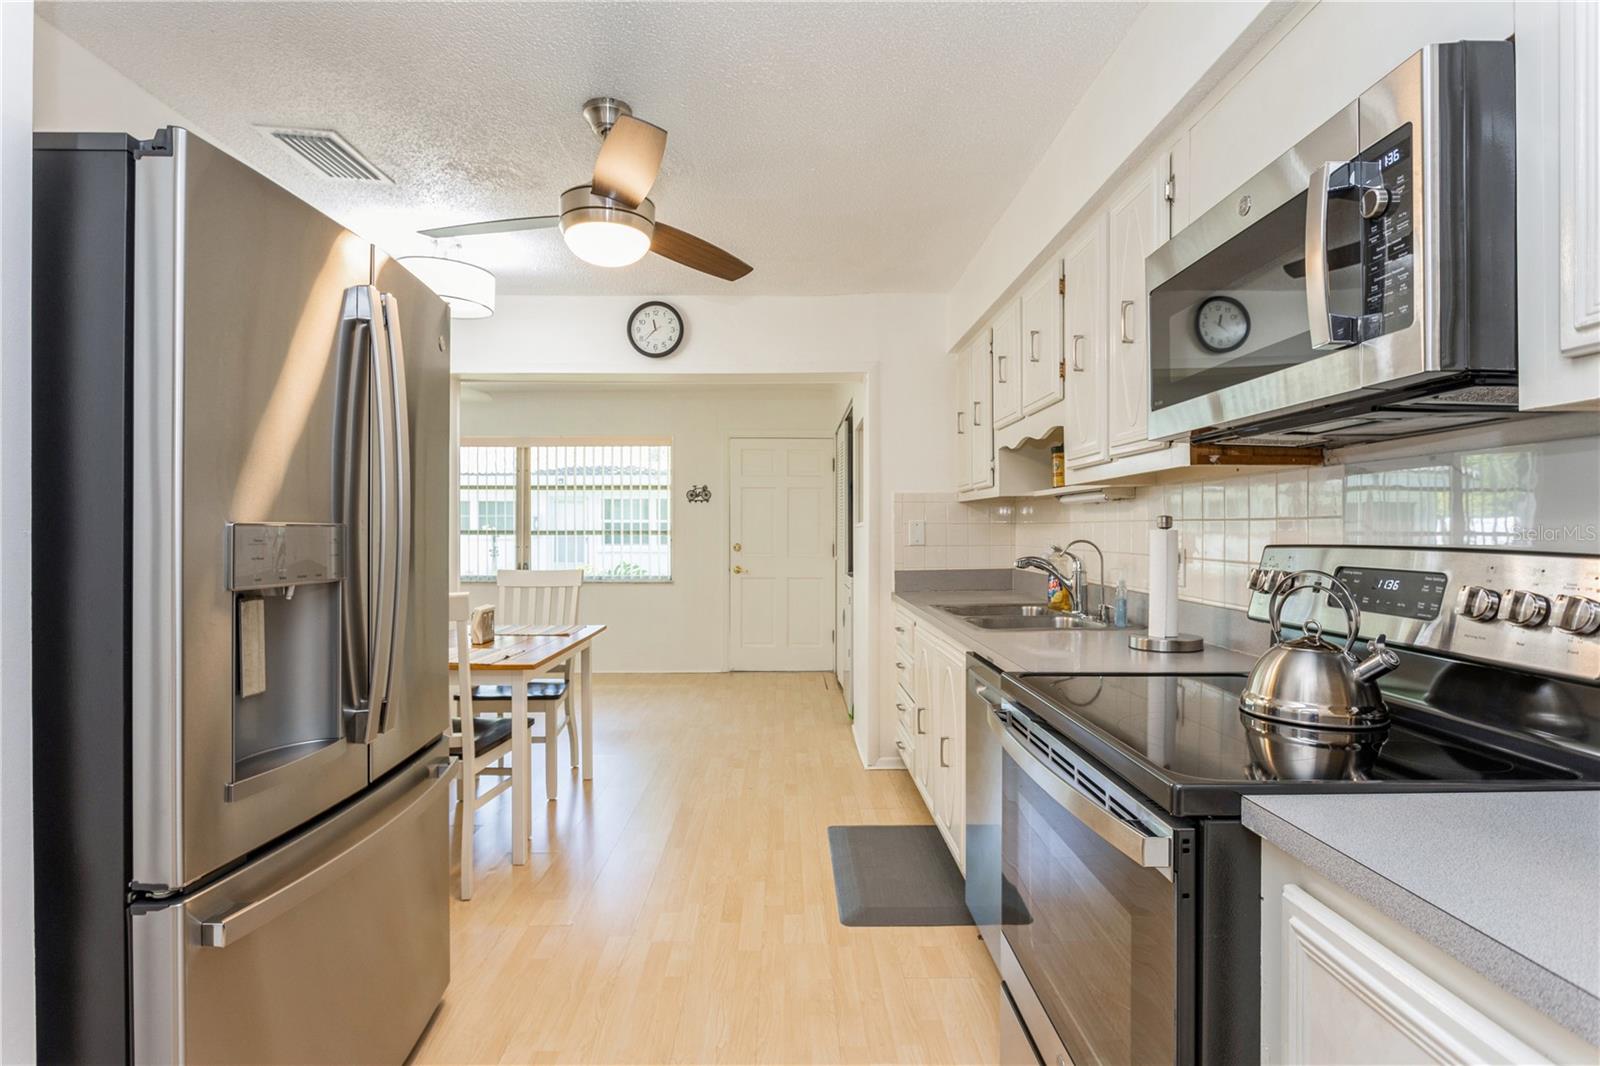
(983, 802)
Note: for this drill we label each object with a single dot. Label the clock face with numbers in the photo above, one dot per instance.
(655, 329)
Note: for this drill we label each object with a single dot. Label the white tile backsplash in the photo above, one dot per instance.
(1543, 495)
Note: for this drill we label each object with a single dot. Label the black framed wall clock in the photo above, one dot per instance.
(655, 329)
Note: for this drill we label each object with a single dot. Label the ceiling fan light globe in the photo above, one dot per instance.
(604, 232)
(606, 243)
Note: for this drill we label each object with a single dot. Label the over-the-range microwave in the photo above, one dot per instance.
(1362, 286)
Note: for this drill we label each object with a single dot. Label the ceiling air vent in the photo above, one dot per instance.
(327, 153)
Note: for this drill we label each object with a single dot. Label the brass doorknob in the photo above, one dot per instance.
(738, 547)
(738, 569)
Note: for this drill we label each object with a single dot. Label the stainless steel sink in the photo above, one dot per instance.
(1053, 620)
(1025, 610)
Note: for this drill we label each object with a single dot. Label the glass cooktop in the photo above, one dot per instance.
(1183, 743)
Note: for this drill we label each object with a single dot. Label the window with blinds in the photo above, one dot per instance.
(488, 506)
(604, 507)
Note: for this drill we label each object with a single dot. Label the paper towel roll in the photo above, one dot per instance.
(1163, 582)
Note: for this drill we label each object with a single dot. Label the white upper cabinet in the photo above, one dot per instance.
(963, 418)
(1007, 365)
(980, 439)
(1042, 365)
(1135, 230)
(1558, 206)
(1084, 431)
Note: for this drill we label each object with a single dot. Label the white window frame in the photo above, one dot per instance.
(522, 494)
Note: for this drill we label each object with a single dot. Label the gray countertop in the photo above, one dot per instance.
(1055, 651)
(1508, 883)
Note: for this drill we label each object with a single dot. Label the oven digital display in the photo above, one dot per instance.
(1402, 593)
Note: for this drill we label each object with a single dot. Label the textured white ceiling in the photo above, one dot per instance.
(838, 148)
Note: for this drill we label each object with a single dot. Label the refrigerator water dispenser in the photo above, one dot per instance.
(286, 698)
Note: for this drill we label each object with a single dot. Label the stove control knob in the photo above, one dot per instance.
(1526, 609)
(1478, 603)
(1263, 579)
(1575, 614)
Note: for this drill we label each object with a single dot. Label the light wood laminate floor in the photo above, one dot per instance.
(681, 908)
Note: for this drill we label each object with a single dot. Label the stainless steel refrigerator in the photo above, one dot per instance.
(240, 559)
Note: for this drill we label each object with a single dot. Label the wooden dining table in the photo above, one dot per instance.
(528, 652)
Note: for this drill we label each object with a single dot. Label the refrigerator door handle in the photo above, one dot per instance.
(401, 470)
(233, 926)
(368, 596)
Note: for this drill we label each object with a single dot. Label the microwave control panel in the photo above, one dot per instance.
(1387, 259)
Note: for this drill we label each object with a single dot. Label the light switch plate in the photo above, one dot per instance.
(916, 532)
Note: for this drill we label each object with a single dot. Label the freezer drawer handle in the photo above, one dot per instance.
(245, 919)
(1154, 852)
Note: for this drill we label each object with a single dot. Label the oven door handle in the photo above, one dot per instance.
(1152, 852)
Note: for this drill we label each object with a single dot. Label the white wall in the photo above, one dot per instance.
(893, 342)
(16, 560)
(681, 625)
(73, 89)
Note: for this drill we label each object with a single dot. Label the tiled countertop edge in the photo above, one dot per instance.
(1551, 994)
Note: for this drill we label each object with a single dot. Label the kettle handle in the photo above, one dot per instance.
(1321, 581)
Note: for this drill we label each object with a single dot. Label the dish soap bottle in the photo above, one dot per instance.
(1119, 610)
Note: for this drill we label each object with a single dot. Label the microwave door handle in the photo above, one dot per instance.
(1151, 852)
(401, 469)
(1329, 331)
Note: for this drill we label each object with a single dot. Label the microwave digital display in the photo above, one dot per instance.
(1387, 261)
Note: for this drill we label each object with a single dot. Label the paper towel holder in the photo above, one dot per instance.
(1178, 642)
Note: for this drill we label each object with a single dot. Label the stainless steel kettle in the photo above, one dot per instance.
(1310, 682)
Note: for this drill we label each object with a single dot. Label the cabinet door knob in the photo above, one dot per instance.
(1033, 346)
(1127, 336)
(738, 569)
(1077, 361)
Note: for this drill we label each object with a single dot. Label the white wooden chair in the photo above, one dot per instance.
(482, 745)
(541, 598)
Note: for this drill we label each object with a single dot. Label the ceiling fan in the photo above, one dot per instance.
(610, 222)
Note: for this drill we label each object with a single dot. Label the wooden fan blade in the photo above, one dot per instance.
(629, 160)
(692, 252)
(499, 225)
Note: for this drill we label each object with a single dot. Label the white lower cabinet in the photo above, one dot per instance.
(1343, 983)
(931, 738)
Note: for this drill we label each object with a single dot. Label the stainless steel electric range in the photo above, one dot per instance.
(1128, 896)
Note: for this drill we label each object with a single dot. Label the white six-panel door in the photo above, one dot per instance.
(780, 519)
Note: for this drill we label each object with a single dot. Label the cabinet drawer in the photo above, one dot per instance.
(905, 631)
(905, 709)
(905, 746)
(902, 669)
